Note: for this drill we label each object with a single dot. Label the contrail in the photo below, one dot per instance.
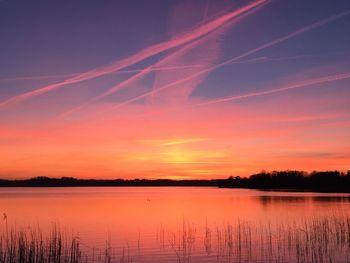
(302, 84)
(253, 60)
(205, 12)
(147, 70)
(250, 52)
(142, 55)
(77, 74)
(126, 83)
(129, 81)
(39, 77)
(296, 57)
(168, 68)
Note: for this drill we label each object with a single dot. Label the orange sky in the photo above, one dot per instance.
(212, 141)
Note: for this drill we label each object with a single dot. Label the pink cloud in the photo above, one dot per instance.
(141, 55)
(200, 73)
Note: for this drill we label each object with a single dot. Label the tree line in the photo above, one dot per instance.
(328, 181)
(332, 181)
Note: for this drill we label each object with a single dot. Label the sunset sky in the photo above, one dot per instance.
(173, 89)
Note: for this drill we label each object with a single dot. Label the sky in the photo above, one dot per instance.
(194, 89)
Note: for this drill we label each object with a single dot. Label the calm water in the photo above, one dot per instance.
(173, 224)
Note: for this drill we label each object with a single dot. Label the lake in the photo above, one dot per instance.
(187, 224)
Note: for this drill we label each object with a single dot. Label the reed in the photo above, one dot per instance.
(309, 240)
(31, 245)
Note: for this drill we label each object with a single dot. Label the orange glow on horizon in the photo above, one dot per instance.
(213, 143)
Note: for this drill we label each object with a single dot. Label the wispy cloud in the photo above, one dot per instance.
(141, 74)
(140, 56)
(201, 52)
(305, 83)
(323, 155)
(237, 58)
(174, 141)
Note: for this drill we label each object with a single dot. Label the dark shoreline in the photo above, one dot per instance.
(304, 190)
(293, 181)
(73, 182)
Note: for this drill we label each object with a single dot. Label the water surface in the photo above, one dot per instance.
(186, 224)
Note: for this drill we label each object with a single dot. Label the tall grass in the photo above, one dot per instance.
(310, 240)
(30, 246)
(182, 242)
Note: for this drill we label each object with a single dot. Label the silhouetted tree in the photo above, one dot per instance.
(332, 181)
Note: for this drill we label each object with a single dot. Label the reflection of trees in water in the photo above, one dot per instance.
(337, 199)
(266, 200)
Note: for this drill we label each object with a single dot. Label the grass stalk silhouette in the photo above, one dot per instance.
(310, 240)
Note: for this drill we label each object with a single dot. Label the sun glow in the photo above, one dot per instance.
(178, 155)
